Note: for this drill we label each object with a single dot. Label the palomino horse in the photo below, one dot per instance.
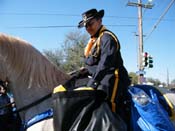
(31, 76)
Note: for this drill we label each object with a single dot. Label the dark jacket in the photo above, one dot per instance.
(6, 116)
(103, 65)
(5, 100)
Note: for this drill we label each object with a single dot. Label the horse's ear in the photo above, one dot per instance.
(2, 83)
(6, 81)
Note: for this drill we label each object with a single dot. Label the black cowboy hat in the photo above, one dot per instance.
(90, 14)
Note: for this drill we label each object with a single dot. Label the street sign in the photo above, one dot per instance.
(141, 72)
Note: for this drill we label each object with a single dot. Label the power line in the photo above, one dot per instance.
(121, 25)
(42, 14)
(159, 20)
(61, 26)
(57, 14)
(146, 18)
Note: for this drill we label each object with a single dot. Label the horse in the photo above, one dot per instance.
(30, 75)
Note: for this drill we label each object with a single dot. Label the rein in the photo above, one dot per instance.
(29, 105)
(33, 103)
(4, 106)
(76, 73)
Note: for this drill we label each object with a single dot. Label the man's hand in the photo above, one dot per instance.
(83, 71)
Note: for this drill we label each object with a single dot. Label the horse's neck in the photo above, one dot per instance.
(34, 88)
(30, 74)
(26, 96)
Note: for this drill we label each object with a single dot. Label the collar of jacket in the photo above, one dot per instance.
(100, 30)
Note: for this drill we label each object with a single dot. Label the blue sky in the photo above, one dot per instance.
(15, 14)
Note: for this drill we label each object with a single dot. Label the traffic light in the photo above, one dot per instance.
(150, 62)
(145, 59)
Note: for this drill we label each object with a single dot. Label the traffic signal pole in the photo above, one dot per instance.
(140, 48)
(140, 35)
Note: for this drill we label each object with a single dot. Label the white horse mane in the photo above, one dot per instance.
(21, 59)
(30, 74)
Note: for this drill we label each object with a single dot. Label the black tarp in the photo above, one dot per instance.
(84, 111)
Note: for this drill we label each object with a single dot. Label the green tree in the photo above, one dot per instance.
(55, 56)
(173, 82)
(134, 78)
(156, 82)
(70, 56)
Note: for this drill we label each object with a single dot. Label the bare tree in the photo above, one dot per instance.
(70, 56)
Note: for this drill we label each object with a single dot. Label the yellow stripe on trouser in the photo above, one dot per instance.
(171, 106)
(115, 91)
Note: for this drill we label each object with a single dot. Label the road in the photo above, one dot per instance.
(171, 97)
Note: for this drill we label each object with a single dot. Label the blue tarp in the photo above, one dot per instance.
(44, 115)
(147, 112)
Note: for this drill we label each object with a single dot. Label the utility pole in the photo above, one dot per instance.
(140, 35)
(167, 78)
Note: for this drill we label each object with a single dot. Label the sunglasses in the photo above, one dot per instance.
(89, 24)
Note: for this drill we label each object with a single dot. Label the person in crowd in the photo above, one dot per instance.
(6, 115)
(9, 121)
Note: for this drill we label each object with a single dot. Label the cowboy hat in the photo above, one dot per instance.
(88, 15)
